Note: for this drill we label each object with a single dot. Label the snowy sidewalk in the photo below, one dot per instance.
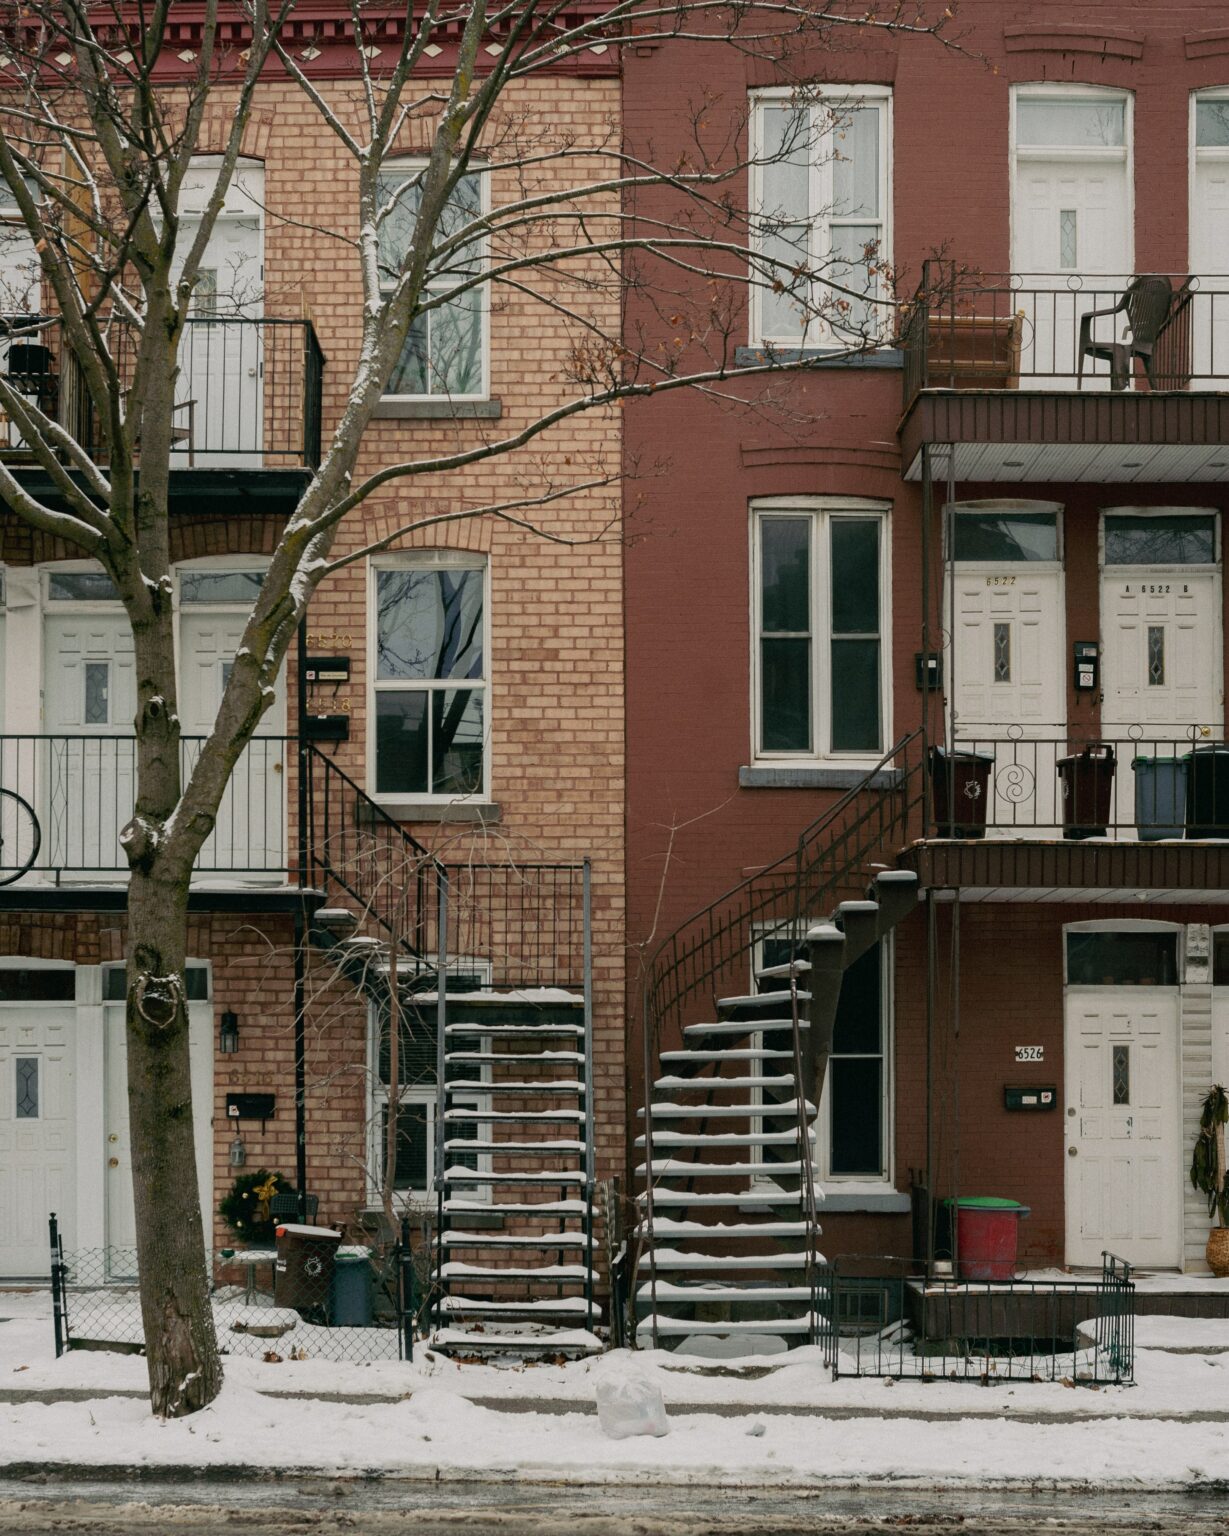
(782, 1422)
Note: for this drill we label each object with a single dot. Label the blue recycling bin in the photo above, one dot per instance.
(1160, 797)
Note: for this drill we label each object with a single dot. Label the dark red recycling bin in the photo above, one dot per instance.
(960, 784)
(303, 1274)
(987, 1236)
(1086, 780)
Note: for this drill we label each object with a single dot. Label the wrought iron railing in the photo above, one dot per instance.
(1052, 782)
(248, 392)
(1018, 330)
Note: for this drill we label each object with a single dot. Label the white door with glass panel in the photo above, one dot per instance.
(38, 1116)
(250, 833)
(20, 300)
(87, 774)
(1123, 1149)
(1209, 250)
(1005, 686)
(219, 416)
(1071, 241)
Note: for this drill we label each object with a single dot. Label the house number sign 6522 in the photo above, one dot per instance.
(1030, 1052)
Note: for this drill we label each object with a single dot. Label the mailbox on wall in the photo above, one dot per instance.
(1086, 660)
(1017, 1097)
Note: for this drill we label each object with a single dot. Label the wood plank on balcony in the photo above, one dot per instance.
(1053, 869)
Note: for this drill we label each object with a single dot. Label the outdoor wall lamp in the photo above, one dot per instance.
(238, 1153)
(228, 1035)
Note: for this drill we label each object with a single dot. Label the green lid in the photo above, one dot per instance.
(986, 1203)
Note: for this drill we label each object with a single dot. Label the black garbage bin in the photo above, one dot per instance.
(351, 1305)
(961, 783)
(1207, 791)
(303, 1274)
(1086, 780)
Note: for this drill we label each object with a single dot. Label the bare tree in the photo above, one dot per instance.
(101, 130)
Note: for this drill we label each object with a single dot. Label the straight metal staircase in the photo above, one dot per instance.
(728, 1260)
(494, 965)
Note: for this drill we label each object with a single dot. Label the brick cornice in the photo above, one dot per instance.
(1104, 43)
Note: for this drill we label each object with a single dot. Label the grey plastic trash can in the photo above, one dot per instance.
(1160, 797)
(352, 1306)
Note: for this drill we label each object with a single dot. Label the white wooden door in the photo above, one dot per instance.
(19, 296)
(1161, 643)
(37, 1132)
(1006, 686)
(1209, 259)
(87, 789)
(1123, 1123)
(250, 834)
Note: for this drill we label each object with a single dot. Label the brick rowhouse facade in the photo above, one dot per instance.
(704, 811)
(553, 649)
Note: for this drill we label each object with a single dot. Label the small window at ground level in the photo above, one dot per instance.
(37, 986)
(1122, 959)
(1162, 540)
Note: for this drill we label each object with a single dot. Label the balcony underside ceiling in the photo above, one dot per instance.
(249, 899)
(1049, 435)
(241, 492)
(1060, 871)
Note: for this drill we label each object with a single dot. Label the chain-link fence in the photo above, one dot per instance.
(307, 1298)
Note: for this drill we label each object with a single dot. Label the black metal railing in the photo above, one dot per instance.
(885, 1321)
(248, 392)
(67, 798)
(1017, 330)
(1052, 782)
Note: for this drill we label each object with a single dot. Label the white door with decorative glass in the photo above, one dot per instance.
(820, 619)
(429, 673)
(821, 190)
(87, 761)
(1209, 242)
(1123, 1150)
(1005, 687)
(23, 348)
(1072, 248)
(445, 352)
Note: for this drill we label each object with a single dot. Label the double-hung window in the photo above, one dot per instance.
(430, 678)
(821, 194)
(445, 352)
(820, 630)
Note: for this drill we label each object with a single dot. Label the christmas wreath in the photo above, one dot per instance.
(245, 1210)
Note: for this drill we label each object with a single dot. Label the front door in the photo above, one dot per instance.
(38, 1117)
(88, 776)
(1123, 1123)
(1209, 322)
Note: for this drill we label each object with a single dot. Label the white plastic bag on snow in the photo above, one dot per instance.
(631, 1406)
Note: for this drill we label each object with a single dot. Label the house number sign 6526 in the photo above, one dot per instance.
(1030, 1052)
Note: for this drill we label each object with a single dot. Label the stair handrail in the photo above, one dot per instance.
(907, 785)
(806, 1162)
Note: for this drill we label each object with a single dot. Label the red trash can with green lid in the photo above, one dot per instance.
(987, 1236)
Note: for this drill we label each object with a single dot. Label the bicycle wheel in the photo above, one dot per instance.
(20, 836)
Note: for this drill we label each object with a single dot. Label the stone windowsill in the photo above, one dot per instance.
(791, 777)
(876, 1199)
(451, 810)
(393, 409)
(817, 357)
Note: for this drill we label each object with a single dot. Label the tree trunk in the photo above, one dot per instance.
(185, 1370)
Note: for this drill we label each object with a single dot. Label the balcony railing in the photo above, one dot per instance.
(248, 392)
(1052, 783)
(993, 331)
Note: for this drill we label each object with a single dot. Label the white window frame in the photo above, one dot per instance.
(816, 335)
(847, 1183)
(1073, 90)
(823, 510)
(427, 560)
(411, 167)
(1126, 925)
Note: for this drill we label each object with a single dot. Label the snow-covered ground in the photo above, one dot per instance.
(777, 1421)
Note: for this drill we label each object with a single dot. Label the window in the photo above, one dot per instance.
(819, 631)
(1122, 959)
(445, 351)
(231, 587)
(81, 587)
(429, 672)
(998, 532)
(1163, 539)
(196, 983)
(852, 1132)
(821, 195)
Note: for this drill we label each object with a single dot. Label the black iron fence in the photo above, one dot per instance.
(883, 1320)
(1020, 330)
(1052, 782)
(305, 1299)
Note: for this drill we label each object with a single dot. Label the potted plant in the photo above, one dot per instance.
(1208, 1174)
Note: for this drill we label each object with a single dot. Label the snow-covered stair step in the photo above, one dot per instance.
(514, 1116)
(500, 1085)
(529, 1208)
(667, 1226)
(762, 1110)
(575, 1343)
(766, 1195)
(672, 1291)
(706, 1084)
(722, 1138)
(739, 1027)
(514, 1031)
(461, 1177)
(756, 1000)
(676, 1259)
(515, 1148)
(550, 1306)
(679, 1168)
(783, 972)
(679, 1326)
(456, 1269)
(456, 1239)
(729, 1054)
(514, 1059)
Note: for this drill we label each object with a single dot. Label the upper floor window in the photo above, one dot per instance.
(430, 678)
(820, 683)
(19, 266)
(821, 194)
(445, 352)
